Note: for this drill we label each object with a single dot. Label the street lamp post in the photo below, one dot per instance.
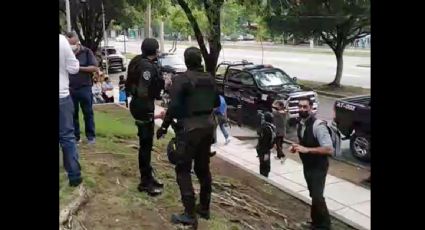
(106, 39)
(68, 16)
(125, 48)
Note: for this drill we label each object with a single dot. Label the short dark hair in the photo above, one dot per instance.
(121, 76)
(280, 103)
(310, 102)
(71, 34)
(193, 57)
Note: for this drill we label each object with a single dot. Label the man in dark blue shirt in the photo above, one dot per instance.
(80, 87)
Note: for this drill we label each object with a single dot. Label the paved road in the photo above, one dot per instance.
(303, 65)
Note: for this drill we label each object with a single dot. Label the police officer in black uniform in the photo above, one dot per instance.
(193, 97)
(315, 146)
(266, 135)
(144, 83)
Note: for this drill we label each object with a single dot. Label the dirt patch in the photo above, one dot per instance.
(262, 192)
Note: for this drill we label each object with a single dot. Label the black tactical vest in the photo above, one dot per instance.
(149, 82)
(200, 94)
(309, 140)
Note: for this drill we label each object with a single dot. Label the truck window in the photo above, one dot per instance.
(246, 79)
(220, 70)
(272, 78)
(232, 76)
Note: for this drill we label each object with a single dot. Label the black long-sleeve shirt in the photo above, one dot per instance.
(265, 135)
(177, 107)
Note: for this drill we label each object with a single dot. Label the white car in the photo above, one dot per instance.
(122, 38)
(116, 61)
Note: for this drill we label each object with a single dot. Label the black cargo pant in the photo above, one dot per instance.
(142, 111)
(145, 132)
(316, 179)
(264, 158)
(194, 146)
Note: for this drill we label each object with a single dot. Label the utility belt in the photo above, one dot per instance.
(200, 113)
(148, 120)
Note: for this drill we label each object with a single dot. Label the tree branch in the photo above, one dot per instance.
(328, 41)
(198, 34)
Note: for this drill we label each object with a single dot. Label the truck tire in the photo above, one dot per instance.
(360, 146)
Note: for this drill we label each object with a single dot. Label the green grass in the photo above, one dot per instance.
(344, 91)
(115, 129)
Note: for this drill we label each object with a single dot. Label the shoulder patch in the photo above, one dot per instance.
(147, 75)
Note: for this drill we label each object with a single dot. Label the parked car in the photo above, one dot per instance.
(248, 37)
(170, 65)
(352, 116)
(226, 38)
(172, 61)
(116, 61)
(250, 87)
(122, 38)
(236, 37)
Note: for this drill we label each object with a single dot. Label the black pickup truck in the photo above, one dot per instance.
(248, 88)
(352, 116)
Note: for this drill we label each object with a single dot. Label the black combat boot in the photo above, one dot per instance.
(147, 185)
(157, 183)
(202, 212)
(185, 219)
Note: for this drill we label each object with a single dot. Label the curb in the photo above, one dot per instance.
(329, 94)
(324, 93)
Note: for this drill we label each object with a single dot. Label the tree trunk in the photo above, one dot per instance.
(212, 59)
(339, 67)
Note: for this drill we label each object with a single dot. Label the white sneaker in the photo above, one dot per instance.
(227, 141)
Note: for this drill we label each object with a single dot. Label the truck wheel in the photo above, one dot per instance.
(360, 146)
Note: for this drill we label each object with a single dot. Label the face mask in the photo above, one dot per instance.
(74, 47)
(304, 114)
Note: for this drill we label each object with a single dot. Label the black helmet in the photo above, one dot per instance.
(171, 151)
(193, 57)
(149, 46)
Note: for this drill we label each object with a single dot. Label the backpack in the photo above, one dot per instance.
(273, 132)
(334, 133)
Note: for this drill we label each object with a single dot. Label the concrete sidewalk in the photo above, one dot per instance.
(346, 201)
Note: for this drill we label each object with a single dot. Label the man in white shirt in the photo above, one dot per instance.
(68, 64)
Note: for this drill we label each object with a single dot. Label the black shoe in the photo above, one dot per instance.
(149, 188)
(184, 219)
(203, 213)
(213, 153)
(157, 183)
(306, 225)
(76, 182)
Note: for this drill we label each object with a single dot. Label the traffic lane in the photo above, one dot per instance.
(307, 66)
